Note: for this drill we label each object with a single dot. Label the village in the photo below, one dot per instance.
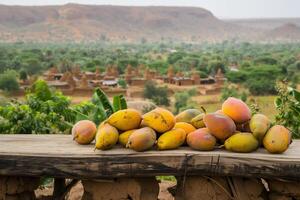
(76, 82)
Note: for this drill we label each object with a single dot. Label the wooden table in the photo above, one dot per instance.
(59, 156)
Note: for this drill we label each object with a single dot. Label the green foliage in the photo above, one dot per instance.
(8, 81)
(119, 103)
(288, 106)
(122, 83)
(23, 75)
(101, 100)
(33, 66)
(183, 100)
(159, 95)
(215, 65)
(232, 91)
(39, 114)
(46, 111)
(41, 90)
(260, 80)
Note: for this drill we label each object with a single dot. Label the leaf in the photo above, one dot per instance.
(99, 115)
(296, 95)
(119, 103)
(101, 98)
(278, 102)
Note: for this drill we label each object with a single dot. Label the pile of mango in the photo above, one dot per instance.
(232, 127)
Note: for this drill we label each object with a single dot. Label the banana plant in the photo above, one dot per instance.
(102, 107)
(119, 103)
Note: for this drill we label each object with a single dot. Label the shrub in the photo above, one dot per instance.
(8, 81)
(159, 95)
(231, 91)
(122, 83)
(288, 107)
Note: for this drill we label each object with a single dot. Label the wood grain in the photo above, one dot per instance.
(59, 156)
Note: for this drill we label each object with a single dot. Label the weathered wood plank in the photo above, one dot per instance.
(59, 156)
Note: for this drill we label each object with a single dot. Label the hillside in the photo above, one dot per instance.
(88, 23)
(74, 22)
(287, 32)
(264, 24)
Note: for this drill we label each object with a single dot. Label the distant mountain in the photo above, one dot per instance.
(287, 32)
(264, 24)
(77, 23)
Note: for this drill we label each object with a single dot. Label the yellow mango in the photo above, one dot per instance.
(277, 139)
(141, 139)
(187, 115)
(126, 119)
(259, 125)
(198, 121)
(242, 143)
(171, 139)
(160, 119)
(188, 128)
(123, 137)
(106, 137)
(84, 132)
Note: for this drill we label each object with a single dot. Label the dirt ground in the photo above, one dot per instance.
(77, 192)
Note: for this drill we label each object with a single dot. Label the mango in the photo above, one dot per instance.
(242, 143)
(84, 132)
(123, 137)
(201, 139)
(126, 119)
(219, 112)
(171, 139)
(160, 119)
(259, 125)
(237, 110)
(185, 126)
(277, 139)
(220, 126)
(187, 115)
(198, 121)
(141, 139)
(106, 137)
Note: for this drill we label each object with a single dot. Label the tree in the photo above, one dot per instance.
(33, 66)
(231, 91)
(122, 83)
(183, 100)
(215, 65)
(159, 95)
(8, 81)
(23, 75)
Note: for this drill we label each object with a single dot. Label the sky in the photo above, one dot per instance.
(220, 8)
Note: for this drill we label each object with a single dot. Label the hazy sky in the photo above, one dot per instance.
(220, 8)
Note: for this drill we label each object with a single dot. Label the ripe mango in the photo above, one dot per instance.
(277, 139)
(242, 143)
(219, 112)
(259, 125)
(126, 119)
(141, 139)
(201, 139)
(106, 137)
(220, 126)
(237, 110)
(185, 126)
(198, 121)
(84, 132)
(160, 119)
(171, 139)
(123, 137)
(187, 115)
